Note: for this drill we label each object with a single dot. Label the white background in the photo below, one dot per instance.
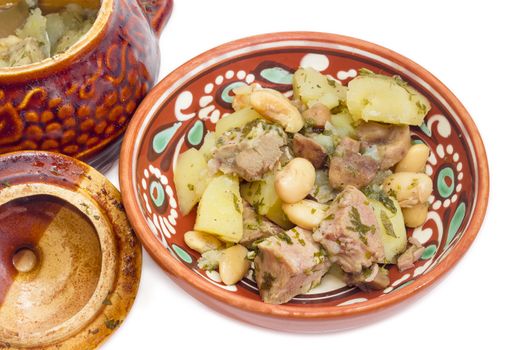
(477, 50)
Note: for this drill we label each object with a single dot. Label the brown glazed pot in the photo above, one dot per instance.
(80, 102)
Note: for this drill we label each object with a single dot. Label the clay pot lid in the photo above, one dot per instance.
(69, 262)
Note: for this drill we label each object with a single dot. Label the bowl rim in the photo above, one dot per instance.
(177, 270)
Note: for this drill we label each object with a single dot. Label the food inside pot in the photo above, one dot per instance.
(328, 180)
(32, 34)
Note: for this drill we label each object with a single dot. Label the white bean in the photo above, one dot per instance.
(295, 180)
(201, 241)
(233, 264)
(274, 106)
(416, 215)
(409, 188)
(242, 97)
(415, 159)
(307, 214)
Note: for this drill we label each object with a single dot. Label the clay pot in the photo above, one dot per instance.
(80, 102)
(69, 262)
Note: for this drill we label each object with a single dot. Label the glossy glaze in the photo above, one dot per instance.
(80, 102)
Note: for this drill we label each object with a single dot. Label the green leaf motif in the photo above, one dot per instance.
(456, 222)
(444, 189)
(277, 75)
(196, 133)
(163, 138)
(182, 253)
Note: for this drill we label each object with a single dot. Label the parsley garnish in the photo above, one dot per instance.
(387, 224)
(359, 227)
(268, 280)
(284, 237)
(376, 193)
(236, 203)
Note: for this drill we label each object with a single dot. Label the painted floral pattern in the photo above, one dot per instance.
(194, 107)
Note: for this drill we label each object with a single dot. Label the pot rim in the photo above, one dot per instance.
(178, 271)
(88, 41)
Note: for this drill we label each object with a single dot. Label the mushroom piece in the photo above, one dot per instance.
(389, 142)
(317, 115)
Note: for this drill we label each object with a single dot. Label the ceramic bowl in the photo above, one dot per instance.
(80, 102)
(184, 106)
(70, 263)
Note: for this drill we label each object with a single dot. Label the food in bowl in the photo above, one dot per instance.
(326, 180)
(40, 36)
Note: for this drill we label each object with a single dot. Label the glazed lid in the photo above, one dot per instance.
(69, 262)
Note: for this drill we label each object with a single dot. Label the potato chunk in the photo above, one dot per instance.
(264, 199)
(313, 87)
(380, 98)
(191, 178)
(392, 228)
(235, 120)
(220, 209)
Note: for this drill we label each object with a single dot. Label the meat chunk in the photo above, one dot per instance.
(350, 232)
(256, 226)
(317, 115)
(250, 152)
(390, 142)
(349, 167)
(406, 260)
(308, 148)
(289, 264)
(373, 278)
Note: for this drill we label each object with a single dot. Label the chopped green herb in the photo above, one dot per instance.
(387, 224)
(319, 256)
(366, 72)
(257, 205)
(421, 108)
(358, 226)
(399, 81)
(330, 82)
(376, 193)
(284, 237)
(259, 187)
(312, 211)
(329, 217)
(413, 184)
(236, 203)
(252, 227)
(6, 184)
(268, 280)
(191, 187)
(251, 255)
(366, 272)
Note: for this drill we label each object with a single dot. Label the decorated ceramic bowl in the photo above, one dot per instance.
(80, 102)
(188, 103)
